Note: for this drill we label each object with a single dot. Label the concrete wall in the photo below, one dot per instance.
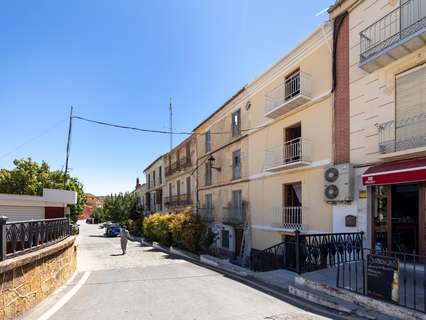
(30, 278)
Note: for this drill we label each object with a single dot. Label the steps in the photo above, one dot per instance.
(348, 302)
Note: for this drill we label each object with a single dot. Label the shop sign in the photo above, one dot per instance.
(383, 277)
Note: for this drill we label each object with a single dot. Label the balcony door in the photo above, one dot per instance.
(237, 201)
(188, 188)
(292, 143)
(292, 205)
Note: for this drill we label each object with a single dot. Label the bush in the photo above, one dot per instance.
(135, 227)
(183, 230)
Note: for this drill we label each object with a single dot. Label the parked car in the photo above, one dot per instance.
(90, 220)
(113, 230)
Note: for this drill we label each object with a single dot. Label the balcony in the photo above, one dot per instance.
(291, 154)
(234, 215)
(397, 34)
(185, 162)
(288, 218)
(295, 91)
(405, 134)
(168, 171)
(178, 200)
(206, 214)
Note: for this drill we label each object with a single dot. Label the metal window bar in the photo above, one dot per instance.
(292, 218)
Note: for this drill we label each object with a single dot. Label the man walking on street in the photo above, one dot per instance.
(124, 234)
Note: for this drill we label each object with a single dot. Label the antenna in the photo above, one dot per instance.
(171, 124)
(68, 148)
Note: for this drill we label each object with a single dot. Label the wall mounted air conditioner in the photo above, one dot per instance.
(339, 183)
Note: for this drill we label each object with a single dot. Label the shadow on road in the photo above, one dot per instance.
(116, 254)
(96, 236)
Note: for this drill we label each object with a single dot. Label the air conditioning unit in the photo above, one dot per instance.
(338, 183)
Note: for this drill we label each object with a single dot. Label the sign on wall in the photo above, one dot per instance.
(383, 277)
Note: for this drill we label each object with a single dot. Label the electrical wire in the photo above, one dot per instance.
(43, 133)
(109, 124)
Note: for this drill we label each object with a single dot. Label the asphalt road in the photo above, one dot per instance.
(149, 284)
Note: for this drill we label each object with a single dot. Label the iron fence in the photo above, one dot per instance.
(309, 252)
(20, 237)
(408, 287)
(399, 24)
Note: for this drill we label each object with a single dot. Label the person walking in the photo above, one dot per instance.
(124, 235)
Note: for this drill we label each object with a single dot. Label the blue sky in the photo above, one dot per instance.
(120, 61)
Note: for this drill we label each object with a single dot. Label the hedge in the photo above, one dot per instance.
(182, 229)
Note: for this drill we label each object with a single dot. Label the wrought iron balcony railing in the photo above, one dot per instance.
(294, 92)
(290, 218)
(178, 200)
(233, 215)
(403, 134)
(296, 152)
(206, 214)
(185, 162)
(398, 26)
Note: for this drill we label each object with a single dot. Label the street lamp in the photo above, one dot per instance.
(211, 161)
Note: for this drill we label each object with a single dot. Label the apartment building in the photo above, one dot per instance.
(291, 105)
(381, 117)
(222, 173)
(155, 182)
(180, 186)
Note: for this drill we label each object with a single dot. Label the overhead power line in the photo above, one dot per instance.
(156, 130)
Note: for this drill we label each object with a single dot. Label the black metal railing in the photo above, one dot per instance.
(185, 162)
(309, 252)
(234, 215)
(408, 286)
(19, 237)
(178, 200)
(397, 25)
(206, 214)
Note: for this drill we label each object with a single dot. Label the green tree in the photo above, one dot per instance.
(30, 177)
(120, 207)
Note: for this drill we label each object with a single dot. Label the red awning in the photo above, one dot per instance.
(395, 172)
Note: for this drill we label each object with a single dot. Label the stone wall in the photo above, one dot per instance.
(28, 279)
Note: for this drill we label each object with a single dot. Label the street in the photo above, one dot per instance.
(149, 284)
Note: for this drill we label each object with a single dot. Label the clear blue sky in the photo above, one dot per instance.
(120, 61)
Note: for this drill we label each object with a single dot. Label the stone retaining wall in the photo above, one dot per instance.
(28, 279)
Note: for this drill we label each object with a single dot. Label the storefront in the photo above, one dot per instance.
(398, 205)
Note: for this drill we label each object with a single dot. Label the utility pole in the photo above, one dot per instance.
(171, 124)
(68, 148)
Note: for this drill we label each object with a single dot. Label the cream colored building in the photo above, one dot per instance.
(283, 145)
(222, 175)
(180, 186)
(387, 94)
(291, 104)
(155, 182)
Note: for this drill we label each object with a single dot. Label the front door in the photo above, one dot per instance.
(397, 218)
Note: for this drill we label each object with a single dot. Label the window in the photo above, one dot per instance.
(208, 176)
(236, 164)
(149, 181)
(153, 178)
(236, 123)
(225, 239)
(160, 178)
(410, 110)
(209, 201)
(170, 189)
(188, 152)
(208, 141)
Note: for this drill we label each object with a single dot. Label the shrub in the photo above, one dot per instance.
(181, 229)
(135, 227)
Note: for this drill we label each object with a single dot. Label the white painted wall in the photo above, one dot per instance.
(63, 196)
(21, 213)
(358, 208)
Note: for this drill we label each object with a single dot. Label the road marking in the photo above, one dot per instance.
(65, 298)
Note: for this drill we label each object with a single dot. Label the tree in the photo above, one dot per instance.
(120, 207)
(29, 177)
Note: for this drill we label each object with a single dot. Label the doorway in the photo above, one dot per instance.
(405, 218)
